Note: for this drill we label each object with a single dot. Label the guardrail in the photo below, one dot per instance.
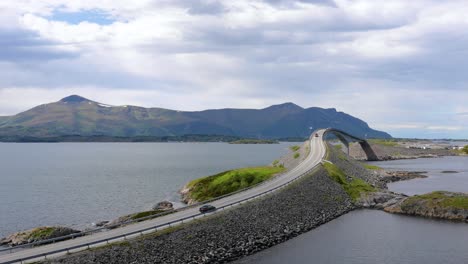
(155, 228)
(141, 231)
(131, 221)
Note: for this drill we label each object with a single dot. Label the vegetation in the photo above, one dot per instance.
(439, 199)
(465, 149)
(254, 141)
(184, 138)
(145, 214)
(294, 148)
(41, 233)
(296, 155)
(371, 167)
(229, 181)
(275, 163)
(384, 142)
(354, 187)
(338, 146)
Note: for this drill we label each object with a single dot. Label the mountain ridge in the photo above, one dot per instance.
(76, 115)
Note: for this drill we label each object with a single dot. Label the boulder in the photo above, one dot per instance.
(36, 234)
(163, 206)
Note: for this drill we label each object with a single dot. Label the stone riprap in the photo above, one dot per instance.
(353, 168)
(398, 152)
(241, 231)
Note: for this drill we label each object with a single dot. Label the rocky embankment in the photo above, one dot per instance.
(295, 155)
(241, 231)
(398, 152)
(395, 176)
(36, 234)
(440, 204)
(254, 226)
(50, 232)
(163, 208)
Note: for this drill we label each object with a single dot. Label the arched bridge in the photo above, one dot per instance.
(345, 138)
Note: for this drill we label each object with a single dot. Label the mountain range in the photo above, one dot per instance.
(77, 116)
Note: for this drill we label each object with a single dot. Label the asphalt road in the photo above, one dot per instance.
(316, 155)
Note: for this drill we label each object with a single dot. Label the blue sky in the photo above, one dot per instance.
(77, 17)
(399, 65)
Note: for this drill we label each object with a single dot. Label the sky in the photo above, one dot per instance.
(401, 66)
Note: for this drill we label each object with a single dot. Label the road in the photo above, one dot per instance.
(317, 153)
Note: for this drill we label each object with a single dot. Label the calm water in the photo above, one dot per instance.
(75, 184)
(368, 236)
(455, 182)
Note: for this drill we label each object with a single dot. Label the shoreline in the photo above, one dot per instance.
(350, 169)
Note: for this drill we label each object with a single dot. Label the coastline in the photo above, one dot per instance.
(349, 166)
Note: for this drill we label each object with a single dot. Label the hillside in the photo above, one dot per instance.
(75, 115)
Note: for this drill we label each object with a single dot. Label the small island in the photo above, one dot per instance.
(254, 141)
(210, 187)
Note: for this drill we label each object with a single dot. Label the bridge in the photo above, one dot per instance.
(186, 214)
(346, 138)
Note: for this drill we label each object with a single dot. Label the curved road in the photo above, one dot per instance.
(317, 153)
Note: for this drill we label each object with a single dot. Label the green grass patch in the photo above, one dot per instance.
(296, 155)
(275, 163)
(384, 142)
(338, 147)
(440, 199)
(41, 233)
(294, 148)
(353, 188)
(145, 214)
(465, 149)
(371, 167)
(229, 181)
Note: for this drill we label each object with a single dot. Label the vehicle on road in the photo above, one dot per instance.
(316, 135)
(207, 208)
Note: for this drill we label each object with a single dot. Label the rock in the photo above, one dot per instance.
(101, 223)
(441, 204)
(36, 234)
(234, 233)
(163, 206)
(185, 194)
(394, 176)
(380, 199)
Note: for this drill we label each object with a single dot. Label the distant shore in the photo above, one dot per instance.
(183, 138)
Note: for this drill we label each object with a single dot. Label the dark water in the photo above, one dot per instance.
(437, 180)
(75, 184)
(368, 236)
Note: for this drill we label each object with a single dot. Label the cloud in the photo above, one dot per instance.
(400, 65)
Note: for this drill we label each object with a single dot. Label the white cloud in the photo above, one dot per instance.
(400, 65)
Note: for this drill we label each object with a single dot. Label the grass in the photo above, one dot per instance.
(384, 142)
(465, 149)
(371, 167)
(145, 214)
(296, 155)
(440, 199)
(338, 147)
(294, 148)
(223, 183)
(275, 163)
(42, 233)
(353, 188)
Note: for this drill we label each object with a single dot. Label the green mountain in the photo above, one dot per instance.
(75, 115)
